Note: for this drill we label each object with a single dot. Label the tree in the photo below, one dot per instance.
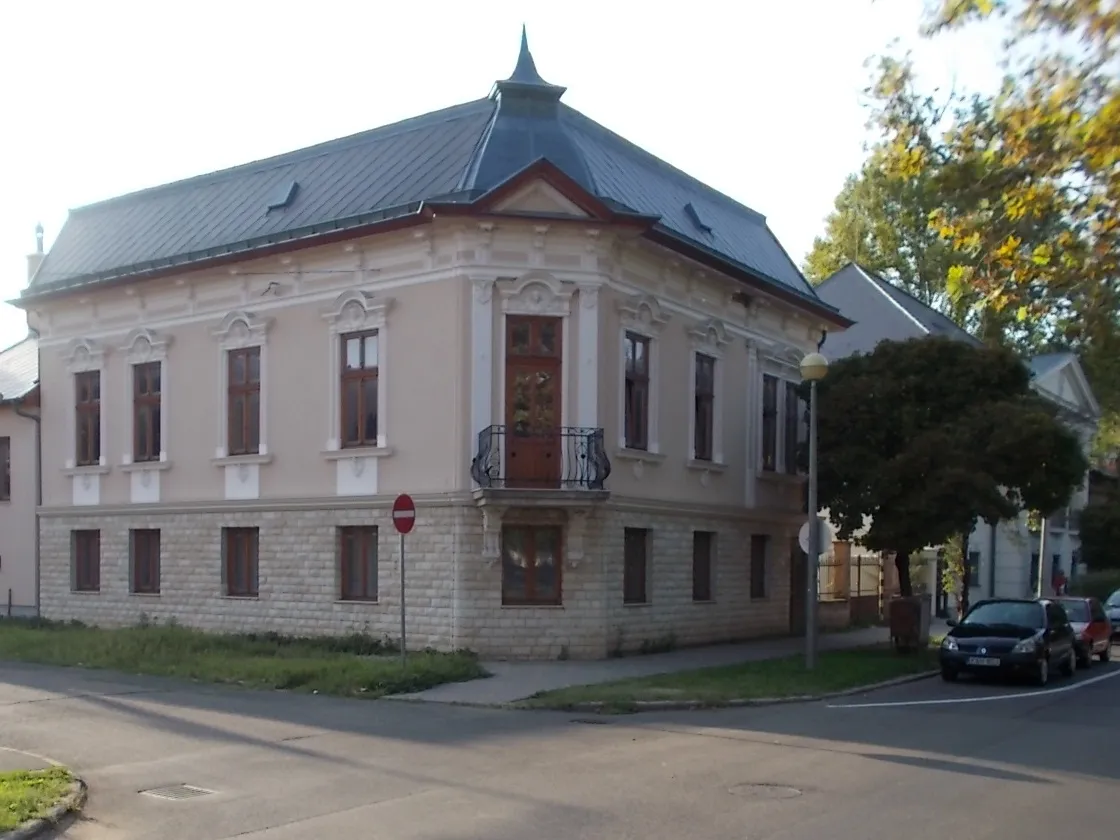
(921, 439)
(1100, 535)
(1027, 181)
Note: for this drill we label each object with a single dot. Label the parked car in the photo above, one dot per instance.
(1007, 637)
(1091, 627)
(1112, 607)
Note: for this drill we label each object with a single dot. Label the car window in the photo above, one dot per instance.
(1057, 615)
(1015, 613)
(1096, 610)
(1114, 599)
(1076, 610)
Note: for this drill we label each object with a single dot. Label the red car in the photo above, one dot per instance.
(1091, 626)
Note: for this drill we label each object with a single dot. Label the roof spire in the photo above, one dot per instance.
(525, 77)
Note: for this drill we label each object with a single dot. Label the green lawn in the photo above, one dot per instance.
(27, 794)
(835, 671)
(354, 665)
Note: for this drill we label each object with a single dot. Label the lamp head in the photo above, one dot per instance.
(814, 367)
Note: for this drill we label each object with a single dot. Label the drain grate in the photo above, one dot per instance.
(177, 792)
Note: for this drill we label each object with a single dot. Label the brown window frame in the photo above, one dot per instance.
(85, 548)
(87, 418)
(703, 551)
(635, 565)
(363, 540)
(532, 597)
(147, 404)
(144, 555)
(760, 553)
(769, 423)
(247, 440)
(704, 409)
(636, 396)
(792, 425)
(5, 469)
(361, 375)
(241, 545)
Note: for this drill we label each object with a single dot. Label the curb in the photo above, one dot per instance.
(693, 705)
(71, 803)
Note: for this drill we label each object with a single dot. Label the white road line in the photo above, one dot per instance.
(950, 701)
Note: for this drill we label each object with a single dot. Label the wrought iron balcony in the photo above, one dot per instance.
(562, 458)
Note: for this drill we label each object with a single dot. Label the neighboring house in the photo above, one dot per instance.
(19, 477)
(578, 360)
(882, 311)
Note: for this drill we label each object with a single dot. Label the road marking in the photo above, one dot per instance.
(949, 701)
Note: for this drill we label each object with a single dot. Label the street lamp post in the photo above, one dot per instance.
(814, 367)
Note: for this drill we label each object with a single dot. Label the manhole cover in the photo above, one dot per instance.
(177, 792)
(750, 790)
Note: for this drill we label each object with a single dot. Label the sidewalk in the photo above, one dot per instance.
(513, 681)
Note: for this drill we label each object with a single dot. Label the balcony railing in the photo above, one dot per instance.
(564, 458)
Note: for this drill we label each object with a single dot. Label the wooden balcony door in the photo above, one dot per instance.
(533, 436)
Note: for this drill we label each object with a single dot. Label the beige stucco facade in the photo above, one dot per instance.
(438, 296)
(17, 510)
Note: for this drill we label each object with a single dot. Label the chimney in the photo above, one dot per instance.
(36, 259)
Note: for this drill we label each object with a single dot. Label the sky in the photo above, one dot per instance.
(759, 99)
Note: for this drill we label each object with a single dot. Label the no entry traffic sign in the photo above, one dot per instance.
(404, 513)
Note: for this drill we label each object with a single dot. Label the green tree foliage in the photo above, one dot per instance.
(921, 439)
(1026, 182)
(1100, 535)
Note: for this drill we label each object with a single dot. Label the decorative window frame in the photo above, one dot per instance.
(84, 355)
(782, 362)
(356, 311)
(237, 330)
(708, 339)
(644, 316)
(140, 347)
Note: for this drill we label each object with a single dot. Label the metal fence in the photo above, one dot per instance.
(858, 580)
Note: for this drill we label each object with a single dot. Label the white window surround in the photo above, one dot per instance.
(83, 355)
(237, 330)
(783, 363)
(708, 339)
(140, 347)
(356, 311)
(641, 315)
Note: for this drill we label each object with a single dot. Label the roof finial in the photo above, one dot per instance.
(39, 238)
(525, 81)
(526, 70)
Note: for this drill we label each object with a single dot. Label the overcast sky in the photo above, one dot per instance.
(762, 100)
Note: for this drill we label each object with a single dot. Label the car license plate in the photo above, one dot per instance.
(983, 660)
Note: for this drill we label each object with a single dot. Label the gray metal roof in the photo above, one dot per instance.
(1045, 363)
(19, 369)
(455, 154)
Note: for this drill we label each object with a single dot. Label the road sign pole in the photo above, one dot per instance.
(404, 647)
(814, 553)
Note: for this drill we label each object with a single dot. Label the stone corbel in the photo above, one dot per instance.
(492, 534)
(577, 530)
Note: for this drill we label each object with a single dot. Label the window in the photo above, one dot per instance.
(973, 565)
(5, 469)
(239, 567)
(245, 401)
(794, 425)
(357, 555)
(144, 559)
(146, 397)
(359, 389)
(1096, 611)
(531, 564)
(635, 566)
(760, 544)
(85, 551)
(703, 544)
(769, 423)
(88, 411)
(1034, 572)
(636, 399)
(704, 432)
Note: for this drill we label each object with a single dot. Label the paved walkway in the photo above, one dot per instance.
(517, 680)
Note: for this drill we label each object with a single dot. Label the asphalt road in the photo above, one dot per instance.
(1008, 763)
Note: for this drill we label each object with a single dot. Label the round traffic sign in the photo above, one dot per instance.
(404, 513)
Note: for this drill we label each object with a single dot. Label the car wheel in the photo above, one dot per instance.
(1069, 667)
(1042, 672)
(949, 675)
(1106, 654)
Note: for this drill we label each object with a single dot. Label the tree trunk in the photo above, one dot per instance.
(966, 582)
(902, 565)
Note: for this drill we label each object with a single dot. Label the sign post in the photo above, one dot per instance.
(404, 517)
